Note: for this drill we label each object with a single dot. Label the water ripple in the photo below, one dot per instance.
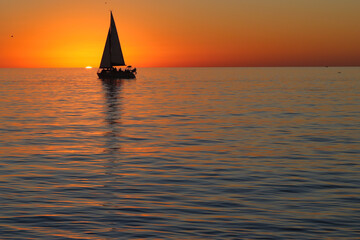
(261, 154)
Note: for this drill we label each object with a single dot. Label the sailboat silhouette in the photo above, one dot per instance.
(113, 56)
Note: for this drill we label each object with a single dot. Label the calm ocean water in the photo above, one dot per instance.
(180, 153)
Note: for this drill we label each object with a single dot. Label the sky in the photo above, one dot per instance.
(181, 33)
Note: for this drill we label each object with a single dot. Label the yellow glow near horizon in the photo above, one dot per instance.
(181, 33)
(88, 67)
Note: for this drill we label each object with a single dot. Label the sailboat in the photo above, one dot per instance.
(113, 56)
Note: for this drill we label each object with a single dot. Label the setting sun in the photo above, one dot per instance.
(88, 67)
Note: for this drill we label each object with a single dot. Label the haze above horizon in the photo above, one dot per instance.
(181, 33)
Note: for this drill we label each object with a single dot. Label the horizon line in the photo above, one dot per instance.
(285, 66)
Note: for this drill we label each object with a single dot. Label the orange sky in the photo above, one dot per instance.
(170, 33)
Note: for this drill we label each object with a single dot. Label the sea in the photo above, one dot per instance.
(180, 153)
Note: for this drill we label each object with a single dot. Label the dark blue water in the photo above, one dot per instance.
(181, 153)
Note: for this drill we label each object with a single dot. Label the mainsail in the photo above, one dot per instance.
(112, 55)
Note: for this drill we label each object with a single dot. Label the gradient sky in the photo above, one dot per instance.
(169, 33)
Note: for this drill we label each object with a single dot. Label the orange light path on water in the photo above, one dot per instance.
(181, 33)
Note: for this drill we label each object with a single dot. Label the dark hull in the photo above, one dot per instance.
(116, 75)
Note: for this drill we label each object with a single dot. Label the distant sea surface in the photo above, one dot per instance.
(180, 153)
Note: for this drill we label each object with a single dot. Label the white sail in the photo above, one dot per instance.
(112, 55)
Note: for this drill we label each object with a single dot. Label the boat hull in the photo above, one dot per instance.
(116, 75)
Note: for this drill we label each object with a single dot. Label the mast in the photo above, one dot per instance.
(110, 32)
(110, 37)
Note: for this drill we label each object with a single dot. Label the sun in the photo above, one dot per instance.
(88, 67)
